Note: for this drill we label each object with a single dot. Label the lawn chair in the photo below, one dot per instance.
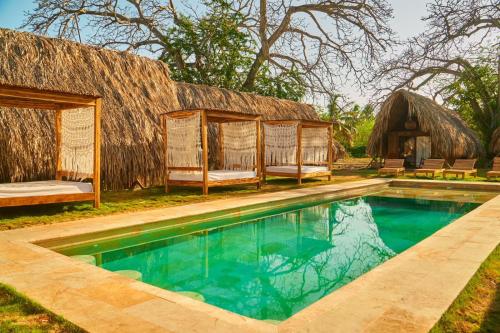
(462, 167)
(431, 166)
(392, 166)
(495, 169)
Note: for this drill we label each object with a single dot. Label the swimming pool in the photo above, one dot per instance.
(271, 264)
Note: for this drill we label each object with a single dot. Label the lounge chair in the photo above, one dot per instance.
(462, 167)
(393, 166)
(495, 169)
(431, 166)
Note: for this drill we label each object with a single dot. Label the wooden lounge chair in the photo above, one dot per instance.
(431, 166)
(495, 170)
(462, 167)
(393, 166)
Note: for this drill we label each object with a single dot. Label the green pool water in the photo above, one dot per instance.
(272, 265)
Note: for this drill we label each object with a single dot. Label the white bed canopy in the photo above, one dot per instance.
(297, 148)
(186, 148)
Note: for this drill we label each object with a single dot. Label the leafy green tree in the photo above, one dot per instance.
(352, 123)
(466, 96)
(222, 53)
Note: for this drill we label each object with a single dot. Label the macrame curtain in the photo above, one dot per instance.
(314, 145)
(280, 144)
(239, 144)
(77, 142)
(184, 141)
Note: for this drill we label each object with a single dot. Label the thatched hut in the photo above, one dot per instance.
(495, 142)
(415, 127)
(135, 91)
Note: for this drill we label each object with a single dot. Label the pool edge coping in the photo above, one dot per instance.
(222, 320)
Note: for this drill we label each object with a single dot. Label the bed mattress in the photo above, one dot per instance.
(41, 188)
(293, 169)
(214, 175)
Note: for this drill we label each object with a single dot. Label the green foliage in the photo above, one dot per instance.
(352, 124)
(474, 97)
(218, 53)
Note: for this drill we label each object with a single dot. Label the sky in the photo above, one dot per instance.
(406, 22)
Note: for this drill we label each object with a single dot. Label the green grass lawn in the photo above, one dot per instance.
(477, 308)
(20, 315)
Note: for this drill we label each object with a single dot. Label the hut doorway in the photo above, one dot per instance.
(412, 146)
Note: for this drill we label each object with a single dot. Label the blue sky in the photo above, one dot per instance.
(406, 22)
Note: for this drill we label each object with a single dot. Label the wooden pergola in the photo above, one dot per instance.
(57, 102)
(210, 116)
(300, 174)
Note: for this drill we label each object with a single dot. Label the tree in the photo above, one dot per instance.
(348, 119)
(448, 60)
(464, 97)
(314, 43)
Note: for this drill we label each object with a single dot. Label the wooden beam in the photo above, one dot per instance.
(258, 152)
(220, 164)
(58, 131)
(165, 152)
(29, 94)
(299, 154)
(263, 154)
(330, 151)
(204, 144)
(97, 152)
(45, 199)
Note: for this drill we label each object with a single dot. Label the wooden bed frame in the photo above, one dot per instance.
(22, 97)
(207, 116)
(299, 175)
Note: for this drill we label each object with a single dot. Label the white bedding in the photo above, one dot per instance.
(293, 169)
(47, 187)
(213, 175)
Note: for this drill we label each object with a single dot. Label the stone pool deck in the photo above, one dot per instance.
(408, 293)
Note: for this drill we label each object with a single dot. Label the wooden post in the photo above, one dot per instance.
(204, 143)
(220, 164)
(263, 154)
(299, 153)
(258, 152)
(330, 151)
(97, 152)
(58, 128)
(165, 151)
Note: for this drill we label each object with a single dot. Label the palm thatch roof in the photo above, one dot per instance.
(195, 96)
(135, 91)
(450, 136)
(495, 142)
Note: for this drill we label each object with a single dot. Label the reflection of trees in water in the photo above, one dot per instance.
(354, 248)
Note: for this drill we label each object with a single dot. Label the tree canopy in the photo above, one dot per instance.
(273, 47)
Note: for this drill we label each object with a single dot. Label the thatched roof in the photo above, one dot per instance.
(193, 96)
(135, 91)
(450, 136)
(495, 142)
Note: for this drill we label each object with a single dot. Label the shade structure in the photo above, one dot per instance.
(186, 149)
(407, 116)
(297, 149)
(77, 149)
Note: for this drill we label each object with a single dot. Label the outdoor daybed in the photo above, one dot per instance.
(185, 135)
(298, 149)
(77, 148)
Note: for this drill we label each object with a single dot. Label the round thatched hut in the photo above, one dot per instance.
(495, 142)
(135, 91)
(415, 127)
